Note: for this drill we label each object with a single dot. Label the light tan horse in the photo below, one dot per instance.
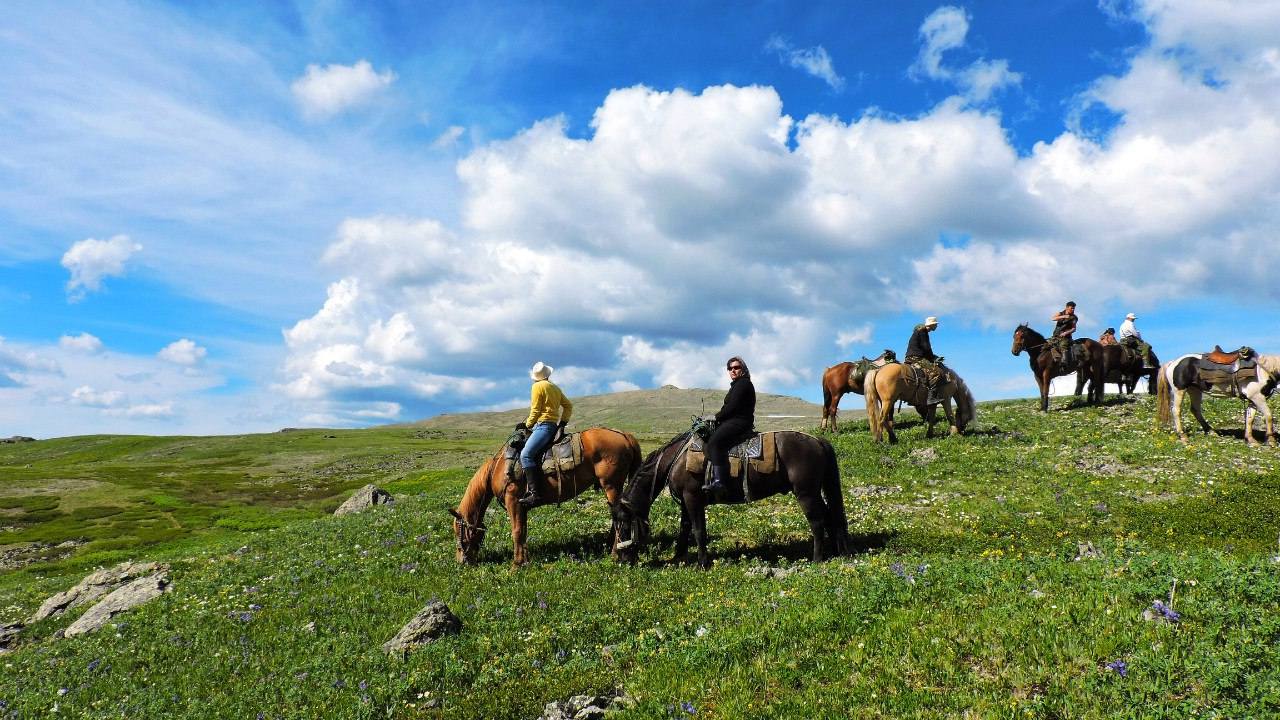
(890, 384)
(846, 377)
(609, 457)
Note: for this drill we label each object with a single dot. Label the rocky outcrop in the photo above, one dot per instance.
(94, 586)
(365, 498)
(138, 592)
(587, 707)
(434, 622)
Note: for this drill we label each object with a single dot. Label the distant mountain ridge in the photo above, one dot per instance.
(662, 410)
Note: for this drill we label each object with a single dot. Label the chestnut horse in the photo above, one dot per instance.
(894, 383)
(844, 378)
(806, 467)
(1045, 369)
(609, 457)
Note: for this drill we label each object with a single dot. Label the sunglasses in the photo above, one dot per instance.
(735, 367)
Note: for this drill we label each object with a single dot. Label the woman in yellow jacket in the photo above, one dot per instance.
(549, 412)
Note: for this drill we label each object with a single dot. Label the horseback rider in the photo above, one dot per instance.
(1065, 325)
(920, 354)
(734, 423)
(1131, 338)
(549, 412)
(1108, 337)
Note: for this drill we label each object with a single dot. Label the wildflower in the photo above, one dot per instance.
(899, 569)
(93, 664)
(1119, 666)
(542, 603)
(364, 685)
(1165, 611)
(688, 707)
(339, 683)
(255, 607)
(409, 567)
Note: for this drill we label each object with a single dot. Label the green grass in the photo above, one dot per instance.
(965, 596)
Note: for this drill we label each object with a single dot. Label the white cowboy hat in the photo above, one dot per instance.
(1130, 316)
(931, 320)
(540, 371)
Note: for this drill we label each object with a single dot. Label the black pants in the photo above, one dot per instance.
(727, 434)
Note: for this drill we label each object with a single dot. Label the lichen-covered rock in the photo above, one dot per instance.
(97, 584)
(587, 707)
(434, 622)
(8, 635)
(365, 498)
(138, 592)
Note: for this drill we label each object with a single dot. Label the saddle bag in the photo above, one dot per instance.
(759, 450)
(561, 458)
(1226, 380)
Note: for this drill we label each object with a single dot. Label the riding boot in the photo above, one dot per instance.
(715, 478)
(532, 478)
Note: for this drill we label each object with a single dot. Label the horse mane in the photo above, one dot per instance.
(1270, 363)
(478, 493)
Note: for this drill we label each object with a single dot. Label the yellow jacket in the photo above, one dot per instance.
(547, 403)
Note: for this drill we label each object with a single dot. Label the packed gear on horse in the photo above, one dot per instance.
(733, 424)
(549, 412)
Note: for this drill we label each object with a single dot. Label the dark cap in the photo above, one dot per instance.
(1071, 303)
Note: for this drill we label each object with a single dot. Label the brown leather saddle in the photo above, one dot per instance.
(1217, 355)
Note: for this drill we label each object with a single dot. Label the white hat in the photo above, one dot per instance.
(540, 371)
(931, 320)
(1130, 316)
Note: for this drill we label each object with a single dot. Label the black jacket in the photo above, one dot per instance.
(739, 402)
(919, 346)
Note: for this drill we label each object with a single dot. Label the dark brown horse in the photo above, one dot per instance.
(1088, 362)
(609, 457)
(1124, 367)
(846, 377)
(806, 467)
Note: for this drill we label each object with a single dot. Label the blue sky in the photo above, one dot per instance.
(222, 218)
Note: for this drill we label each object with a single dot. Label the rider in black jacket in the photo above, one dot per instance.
(734, 423)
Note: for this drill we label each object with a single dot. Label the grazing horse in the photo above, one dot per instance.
(806, 467)
(1123, 367)
(1045, 369)
(609, 457)
(1181, 376)
(893, 383)
(844, 378)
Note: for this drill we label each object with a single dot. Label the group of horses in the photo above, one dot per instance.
(806, 465)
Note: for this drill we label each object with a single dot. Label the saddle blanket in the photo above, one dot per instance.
(759, 450)
(561, 457)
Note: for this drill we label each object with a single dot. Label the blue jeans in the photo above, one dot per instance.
(539, 440)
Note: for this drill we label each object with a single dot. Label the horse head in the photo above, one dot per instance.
(469, 535)
(1019, 338)
(631, 513)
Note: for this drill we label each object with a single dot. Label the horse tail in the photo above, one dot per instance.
(826, 400)
(873, 404)
(1164, 403)
(833, 495)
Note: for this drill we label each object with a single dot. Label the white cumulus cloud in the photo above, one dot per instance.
(183, 352)
(946, 29)
(331, 89)
(84, 342)
(92, 260)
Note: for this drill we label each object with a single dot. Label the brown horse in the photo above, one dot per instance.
(1088, 363)
(806, 467)
(1124, 366)
(893, 383)
(609, 457)
(846, 377)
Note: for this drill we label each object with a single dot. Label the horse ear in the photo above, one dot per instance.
(454, 513)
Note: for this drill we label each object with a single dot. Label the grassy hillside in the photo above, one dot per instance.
(996, 575)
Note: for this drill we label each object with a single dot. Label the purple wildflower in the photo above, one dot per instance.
(339, 683)
(255, 607)
(899, 569)
(1165, 611)
(93, 664)
(688, 707)
(1119, 666)
(542, 603)
(409, 567)
(364, 685)
(240, 615)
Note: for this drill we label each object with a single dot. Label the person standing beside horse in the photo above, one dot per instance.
(1064, 327)
(549, 412)
(920, 354)
(734, 423)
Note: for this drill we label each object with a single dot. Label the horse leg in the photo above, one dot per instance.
(682, 541)
(951, 418)
(815, 511)
(888, 422)
(1043, 379)
(1195, 410)
(1176, 404)
(1249, 411)
(698, 513)
(519, 530)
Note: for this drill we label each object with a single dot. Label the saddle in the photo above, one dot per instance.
(759, 452)
(1219, 357)
(561, 458)
(1226, 379)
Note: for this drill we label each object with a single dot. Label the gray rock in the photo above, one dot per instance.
(587, 707)
(138, 592)
(97, 584)
(923, 456)
(9, 635)
(434, 622)
(365, 498)
(1086, 551)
